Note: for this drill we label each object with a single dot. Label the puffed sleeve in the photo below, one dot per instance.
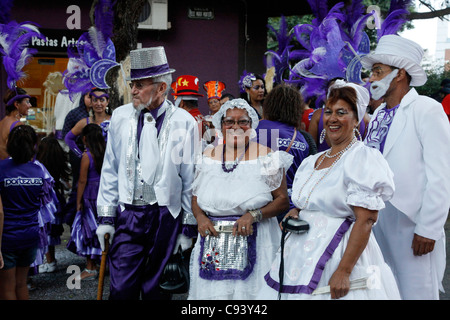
(369, 180)
(274, 166)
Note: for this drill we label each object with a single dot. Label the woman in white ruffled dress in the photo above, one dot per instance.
(338, 192)
(244, 195)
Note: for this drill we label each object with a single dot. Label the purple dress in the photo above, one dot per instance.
(83, 240)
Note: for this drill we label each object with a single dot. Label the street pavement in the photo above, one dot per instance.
(59, 285)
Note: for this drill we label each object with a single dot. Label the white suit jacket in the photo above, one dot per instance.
(174, 186)
(417, 149)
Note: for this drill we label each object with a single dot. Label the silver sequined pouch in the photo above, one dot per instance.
(227, 257)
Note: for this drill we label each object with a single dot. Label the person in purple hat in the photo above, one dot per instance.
(17, 104)
(144, 198)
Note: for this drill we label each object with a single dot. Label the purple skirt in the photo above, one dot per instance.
(83, 239)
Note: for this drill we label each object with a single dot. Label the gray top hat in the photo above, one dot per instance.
(148, 63)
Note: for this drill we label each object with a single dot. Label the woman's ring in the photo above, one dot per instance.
(207, 232)
(243, 228)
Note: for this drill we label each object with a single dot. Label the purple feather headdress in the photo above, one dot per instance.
(332, 41)
(245, 81)
(14, 41)
(94, 54)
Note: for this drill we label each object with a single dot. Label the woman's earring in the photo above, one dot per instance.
(322, 136)
(357, 134)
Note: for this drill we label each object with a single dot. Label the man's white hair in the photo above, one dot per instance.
(167, 79)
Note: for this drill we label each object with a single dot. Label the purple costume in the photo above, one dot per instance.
(278, 136)
(29, 203)
(83, 240)
(145, 232)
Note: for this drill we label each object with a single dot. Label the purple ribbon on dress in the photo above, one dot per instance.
(149, 72)
(320, 266)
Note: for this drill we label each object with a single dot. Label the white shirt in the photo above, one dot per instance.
(173, 184)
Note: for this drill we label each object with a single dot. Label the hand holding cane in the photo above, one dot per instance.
(101, 276)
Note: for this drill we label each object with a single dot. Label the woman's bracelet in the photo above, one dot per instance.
(256, 214)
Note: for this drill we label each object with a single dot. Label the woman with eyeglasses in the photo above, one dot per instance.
(253, 89)
(338, 192)
(239, 189)
(100, 115)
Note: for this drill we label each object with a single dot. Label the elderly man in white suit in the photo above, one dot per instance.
(144, 199)
(413, 134)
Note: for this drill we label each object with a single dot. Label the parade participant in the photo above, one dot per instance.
(253, 88)
(17, 105)
(252, 193)
(15, 54)
(144, 199)
(55, 159)
(83, 240)
(100, 116)
(413, 134)
(26, 195)
(214, 91)
(186, 95)
(72, 118)
(338, 192)
(226, 97)
(283, 108)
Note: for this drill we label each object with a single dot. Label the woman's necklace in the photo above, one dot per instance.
(338, 156)
(236, 162)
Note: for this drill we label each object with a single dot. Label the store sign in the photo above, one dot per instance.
(201, 13)
(56, 40)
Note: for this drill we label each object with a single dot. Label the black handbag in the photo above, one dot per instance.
(175, 276)
(289, 224)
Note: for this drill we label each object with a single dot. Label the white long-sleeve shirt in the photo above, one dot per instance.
(173, 183)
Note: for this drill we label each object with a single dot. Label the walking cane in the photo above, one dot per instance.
(101, 276)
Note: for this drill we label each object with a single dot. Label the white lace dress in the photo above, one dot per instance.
(221, 194)
(360, 178)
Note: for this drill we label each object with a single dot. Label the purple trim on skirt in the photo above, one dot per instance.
(210, 273)
(320, 266)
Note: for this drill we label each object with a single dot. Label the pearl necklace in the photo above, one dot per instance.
(338, 157)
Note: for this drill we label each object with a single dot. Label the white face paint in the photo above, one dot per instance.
(379, 88)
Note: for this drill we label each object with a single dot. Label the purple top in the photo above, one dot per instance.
(277, 136)
(93, 175)
(379, 128)
(22, 190)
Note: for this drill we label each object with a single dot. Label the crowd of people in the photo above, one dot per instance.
(367, 174)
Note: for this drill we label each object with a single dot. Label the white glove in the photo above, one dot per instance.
(103, 229)
(182, 241)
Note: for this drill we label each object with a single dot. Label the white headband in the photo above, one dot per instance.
(362, 96)
(231, 104)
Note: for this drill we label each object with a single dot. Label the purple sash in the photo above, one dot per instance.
(320, 266)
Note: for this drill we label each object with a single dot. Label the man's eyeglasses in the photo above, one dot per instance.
(378, 72)
(240, 122)
(140, 85)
